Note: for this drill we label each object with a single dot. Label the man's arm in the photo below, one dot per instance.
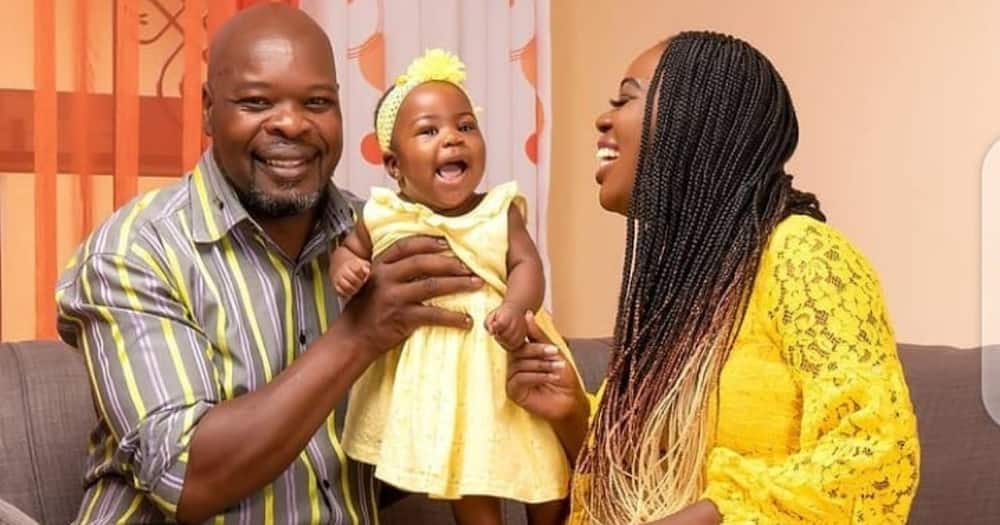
(245, 443)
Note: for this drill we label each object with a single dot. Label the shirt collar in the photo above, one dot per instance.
(216, 209)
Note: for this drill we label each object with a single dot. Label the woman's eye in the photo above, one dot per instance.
(618, 102)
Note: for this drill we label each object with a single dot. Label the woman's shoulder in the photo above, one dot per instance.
(810, 263)
(800, 238)
(804, 250)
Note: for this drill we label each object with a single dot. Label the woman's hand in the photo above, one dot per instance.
(702, 512)
(543, 382)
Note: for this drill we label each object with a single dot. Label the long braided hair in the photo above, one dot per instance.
(709, 188)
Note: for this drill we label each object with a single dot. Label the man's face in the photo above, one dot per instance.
(273, 112)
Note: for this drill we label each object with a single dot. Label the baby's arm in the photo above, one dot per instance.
(525, 284)
(350, 262)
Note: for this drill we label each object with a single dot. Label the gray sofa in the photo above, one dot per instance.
(47, 414)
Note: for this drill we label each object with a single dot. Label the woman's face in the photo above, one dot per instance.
(620, 131)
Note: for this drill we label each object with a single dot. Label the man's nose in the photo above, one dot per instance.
(288, 122)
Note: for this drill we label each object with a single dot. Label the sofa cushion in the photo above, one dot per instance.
(11, 515)
(960, 444)
(46, 418)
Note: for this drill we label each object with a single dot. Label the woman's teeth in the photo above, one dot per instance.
(606, 154)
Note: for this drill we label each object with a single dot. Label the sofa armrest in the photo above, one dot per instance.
(10, 515)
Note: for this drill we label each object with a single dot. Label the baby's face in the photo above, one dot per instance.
(438, 154)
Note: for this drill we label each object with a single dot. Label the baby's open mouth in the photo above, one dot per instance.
(451, 171)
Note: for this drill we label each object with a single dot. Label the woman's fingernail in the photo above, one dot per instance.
(551, 350)
(442, 242)
(558, 365)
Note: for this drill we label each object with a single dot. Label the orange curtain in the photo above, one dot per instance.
(46, 153)
(146, 124)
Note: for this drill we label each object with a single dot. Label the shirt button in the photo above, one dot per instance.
(302, 338)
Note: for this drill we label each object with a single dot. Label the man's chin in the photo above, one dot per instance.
(278, 204)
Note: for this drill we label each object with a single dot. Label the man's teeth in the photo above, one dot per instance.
(284, 163)
(607, 154)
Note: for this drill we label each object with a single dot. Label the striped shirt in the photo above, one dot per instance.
(178, 302)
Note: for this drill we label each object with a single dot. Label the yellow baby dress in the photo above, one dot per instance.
(433, 414)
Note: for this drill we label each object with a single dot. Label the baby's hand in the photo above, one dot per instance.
(507, 325)
(351, 276)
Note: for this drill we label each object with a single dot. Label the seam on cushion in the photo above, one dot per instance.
(29, 429)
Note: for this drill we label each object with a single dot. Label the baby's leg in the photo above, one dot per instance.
(548, 513)
(477, 510)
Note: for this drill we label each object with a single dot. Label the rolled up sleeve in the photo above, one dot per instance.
(151, 368)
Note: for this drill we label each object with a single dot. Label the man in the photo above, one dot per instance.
(217, 357)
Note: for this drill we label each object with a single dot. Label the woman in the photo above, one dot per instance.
(754, 377)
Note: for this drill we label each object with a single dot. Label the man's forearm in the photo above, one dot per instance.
(243, 444)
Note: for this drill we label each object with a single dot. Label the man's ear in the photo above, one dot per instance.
(391, 163)
(206, 109)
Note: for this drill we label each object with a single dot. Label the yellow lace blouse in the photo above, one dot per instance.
(815, 423)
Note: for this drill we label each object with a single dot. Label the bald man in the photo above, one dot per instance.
(218, 355)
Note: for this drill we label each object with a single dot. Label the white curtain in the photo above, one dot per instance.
(505, 46)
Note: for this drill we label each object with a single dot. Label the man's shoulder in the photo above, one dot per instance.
(130, 224)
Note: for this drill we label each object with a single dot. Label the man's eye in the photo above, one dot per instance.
(319, 102)
(254, 103)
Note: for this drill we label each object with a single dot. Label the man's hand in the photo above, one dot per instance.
(349, 277)
(389, 306)
(507, 325)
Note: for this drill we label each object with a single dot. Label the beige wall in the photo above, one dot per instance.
(898, 102)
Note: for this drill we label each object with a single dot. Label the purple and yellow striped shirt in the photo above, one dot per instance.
(179, 302)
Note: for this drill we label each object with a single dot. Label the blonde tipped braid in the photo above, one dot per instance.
(709, 189)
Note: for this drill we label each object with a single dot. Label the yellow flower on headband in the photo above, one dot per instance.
(436, 65)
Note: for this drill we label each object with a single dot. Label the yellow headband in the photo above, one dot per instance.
(437, 65)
